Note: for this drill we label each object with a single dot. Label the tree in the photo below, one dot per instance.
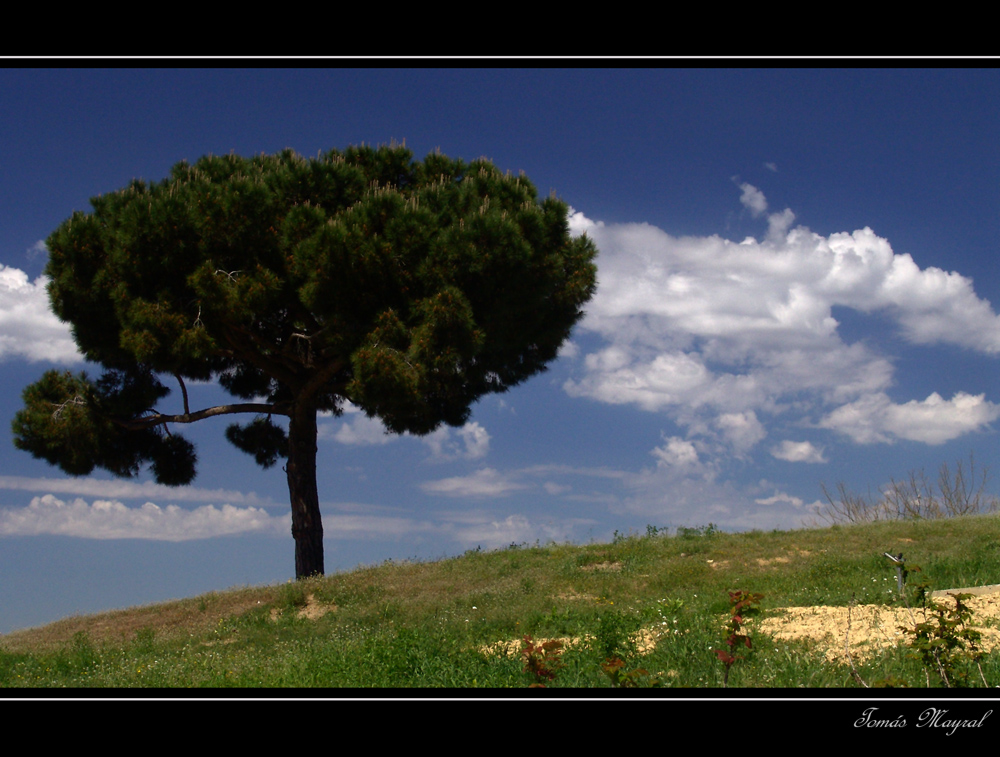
(407, 288)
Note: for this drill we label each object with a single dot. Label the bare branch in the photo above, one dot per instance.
(964, 493)
(184, 391)
(77, 400)
(157, 419)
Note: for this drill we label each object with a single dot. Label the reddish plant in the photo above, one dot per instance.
(542, 660)
(743, 604)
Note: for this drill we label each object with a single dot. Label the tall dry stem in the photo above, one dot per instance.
(963, 492)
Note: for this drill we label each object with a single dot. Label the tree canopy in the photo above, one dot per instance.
(407, 288)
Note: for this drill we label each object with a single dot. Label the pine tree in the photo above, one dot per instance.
(407, 288)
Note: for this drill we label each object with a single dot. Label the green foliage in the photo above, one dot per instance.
(614, 634)
(945, 640)
(409, 288)
(292, 596)
(698, 532)
(70, 421)
(460, 623)
(260, 438)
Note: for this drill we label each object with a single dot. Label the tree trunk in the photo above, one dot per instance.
(307, 525)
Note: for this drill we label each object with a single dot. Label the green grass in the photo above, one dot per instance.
(426, 624)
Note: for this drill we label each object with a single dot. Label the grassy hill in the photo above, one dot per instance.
(658, 603)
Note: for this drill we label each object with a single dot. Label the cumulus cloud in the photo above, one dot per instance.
(110, 519)
(741, 430)
(569, 349)
(753, 199)
(778, 224)
(720, 335)
(798, 452)
(28, 327)
(876, 418)
(359, 431)
(472, 442)
(676, 453)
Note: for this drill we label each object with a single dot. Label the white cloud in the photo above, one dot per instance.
(798, 452)
(718, 334)
(472, 444)
(617, 375)
(664, 498)
(778, 224)
(514, 529)
(741, 430)
(28, 327)
(875, 418)
(118, 489)
(38, 250)
(486, 482)
(348, 526)
(780, 498)
(110, 519)
(676, 453)
(360, 431)
(579, 223)
(472, 528)
(476, 441)
(753, 199)
(569, 349)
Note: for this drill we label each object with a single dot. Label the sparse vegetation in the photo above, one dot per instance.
(644, 611)
(963, 492)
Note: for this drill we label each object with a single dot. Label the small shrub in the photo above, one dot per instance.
(614, 669)
(744, 605)
(542, 661)
(615, 634)
(698, 532)
(945, 640)
(293, 596)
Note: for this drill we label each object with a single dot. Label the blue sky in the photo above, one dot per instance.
(796, 277)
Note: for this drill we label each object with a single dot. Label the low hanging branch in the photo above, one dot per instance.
(157, 419)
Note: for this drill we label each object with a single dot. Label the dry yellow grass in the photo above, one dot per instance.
(180, 618)
(869, 629)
